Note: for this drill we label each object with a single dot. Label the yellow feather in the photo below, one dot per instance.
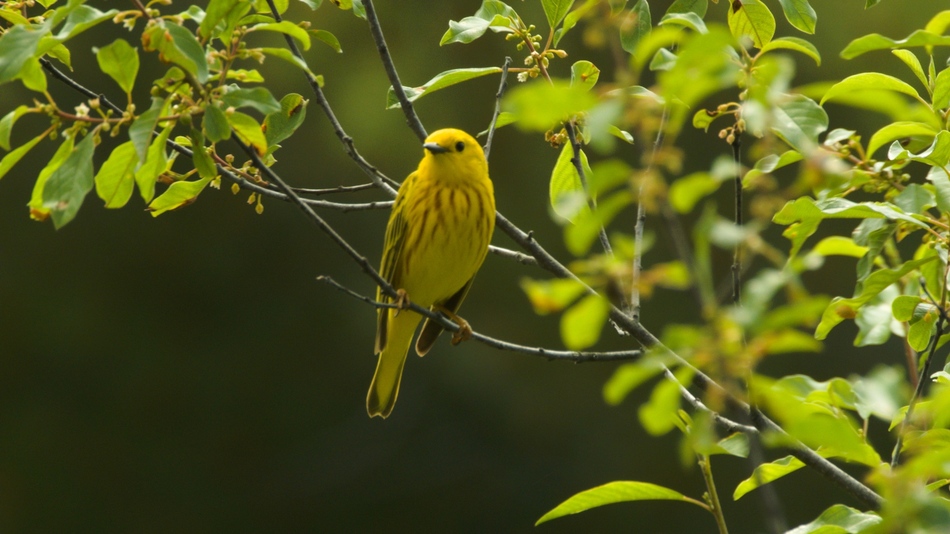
(436, 240)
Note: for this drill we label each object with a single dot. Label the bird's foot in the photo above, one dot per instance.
(464, 333)
(402, 301)
(465, 330)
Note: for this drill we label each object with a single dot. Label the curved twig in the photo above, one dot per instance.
(502, 87)
(550, 354)
(404, 103)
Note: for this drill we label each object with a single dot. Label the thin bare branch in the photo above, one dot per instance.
(550, 354)
(502, 87)
(376, 29)
(519, 257)
(579, 167)
(378, 178)
(332, 190)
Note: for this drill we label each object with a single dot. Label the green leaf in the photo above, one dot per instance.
(938, 176)
(881, 393)
(116, 178)
(798, 121)
(899, 130)
(248, 131)
(771, 163)
(841, 308)
(812, 413)
(286, 28)
(752, 19)
(869, 80)
(915, 198)
(874, 319)
(177, 45)
(33, 76)
(261, 6)
(688, 190)
(685, 20)
(659, 415)
(154, 164)
(494, 15)
(178, 195)
(16, 155)
(808, 213)
(215, 124)
(66, 188)
(697, 7)
(551, 296)
(328, 39)
(539, 106)
(938, 23)
(17, 46)
(14, 18)
(876, 41)
(199, 155)
(584, 74)
(913, 63)
(840, 518)
(582, 323)
(628, 377)
(80, 19)
(796, 44)
(734, 445)
(143, 128)
(258, 98)
(800, 14)
(663, 60)
(556, 10)
(572, 18)
(922, 317)
(440, 81)
(567, 195)
(61, 53)
(836, 245)
(120, 61)
(471, 28)
(766, 473)
(611, 493)
(941, 97)
(37, 211)
(222, 14)
(635, 25)
(289, 57)
(282, 124)
(7, 122)
(313, 4)
(698, 73)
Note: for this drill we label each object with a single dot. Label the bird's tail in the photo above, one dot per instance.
(384, 388)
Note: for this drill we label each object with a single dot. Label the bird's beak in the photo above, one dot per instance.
(435, 148)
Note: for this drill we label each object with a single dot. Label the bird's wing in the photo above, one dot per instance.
(392, 250)
(431, 329)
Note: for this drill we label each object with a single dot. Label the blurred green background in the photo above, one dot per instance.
(188, 374)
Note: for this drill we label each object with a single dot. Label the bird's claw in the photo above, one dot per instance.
(464, 331)
(402, 301)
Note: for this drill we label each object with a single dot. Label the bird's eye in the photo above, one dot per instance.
(460, 146)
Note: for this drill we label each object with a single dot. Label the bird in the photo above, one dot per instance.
(436, 240)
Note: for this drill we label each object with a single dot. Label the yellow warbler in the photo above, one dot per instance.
(436, 239)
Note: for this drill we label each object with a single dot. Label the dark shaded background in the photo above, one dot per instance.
(188, 374)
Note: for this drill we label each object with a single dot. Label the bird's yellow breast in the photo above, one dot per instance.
(450, 223)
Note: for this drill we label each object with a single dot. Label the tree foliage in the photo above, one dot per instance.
(617, 131)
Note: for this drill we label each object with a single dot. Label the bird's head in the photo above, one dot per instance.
(454, 154)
